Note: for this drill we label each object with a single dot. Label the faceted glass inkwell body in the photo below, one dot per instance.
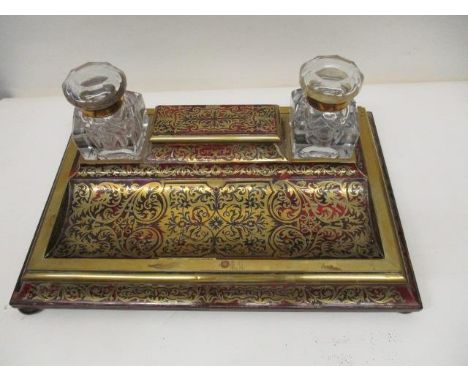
(323, 113)
(108, 122)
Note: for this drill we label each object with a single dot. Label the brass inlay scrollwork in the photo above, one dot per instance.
(219, 218)
(279, 170)
(199, 120)
(297, 295)
(215, 153)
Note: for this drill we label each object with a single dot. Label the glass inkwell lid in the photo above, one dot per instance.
(95, 86)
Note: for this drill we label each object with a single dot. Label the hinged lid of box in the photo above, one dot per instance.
(216, 123)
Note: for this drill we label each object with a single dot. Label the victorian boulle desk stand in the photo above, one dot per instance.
(219, 215)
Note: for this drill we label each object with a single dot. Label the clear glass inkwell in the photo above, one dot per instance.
(109, 122)
(323, 112)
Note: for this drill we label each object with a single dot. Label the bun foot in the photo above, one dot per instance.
(29, 310)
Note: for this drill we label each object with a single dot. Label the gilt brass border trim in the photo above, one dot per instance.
(214, 277)
(214, 139)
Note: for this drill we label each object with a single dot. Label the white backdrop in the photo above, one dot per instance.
(196, 53)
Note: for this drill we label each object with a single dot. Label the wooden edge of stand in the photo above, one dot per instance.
(396, 217)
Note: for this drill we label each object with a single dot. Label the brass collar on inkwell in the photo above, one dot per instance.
(102, 113)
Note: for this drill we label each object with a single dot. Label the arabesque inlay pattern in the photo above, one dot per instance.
(218, 218)
(216, 119)
(276, 170)
(213, 295)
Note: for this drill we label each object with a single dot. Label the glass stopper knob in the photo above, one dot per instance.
(330, 83)
(94, 86)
